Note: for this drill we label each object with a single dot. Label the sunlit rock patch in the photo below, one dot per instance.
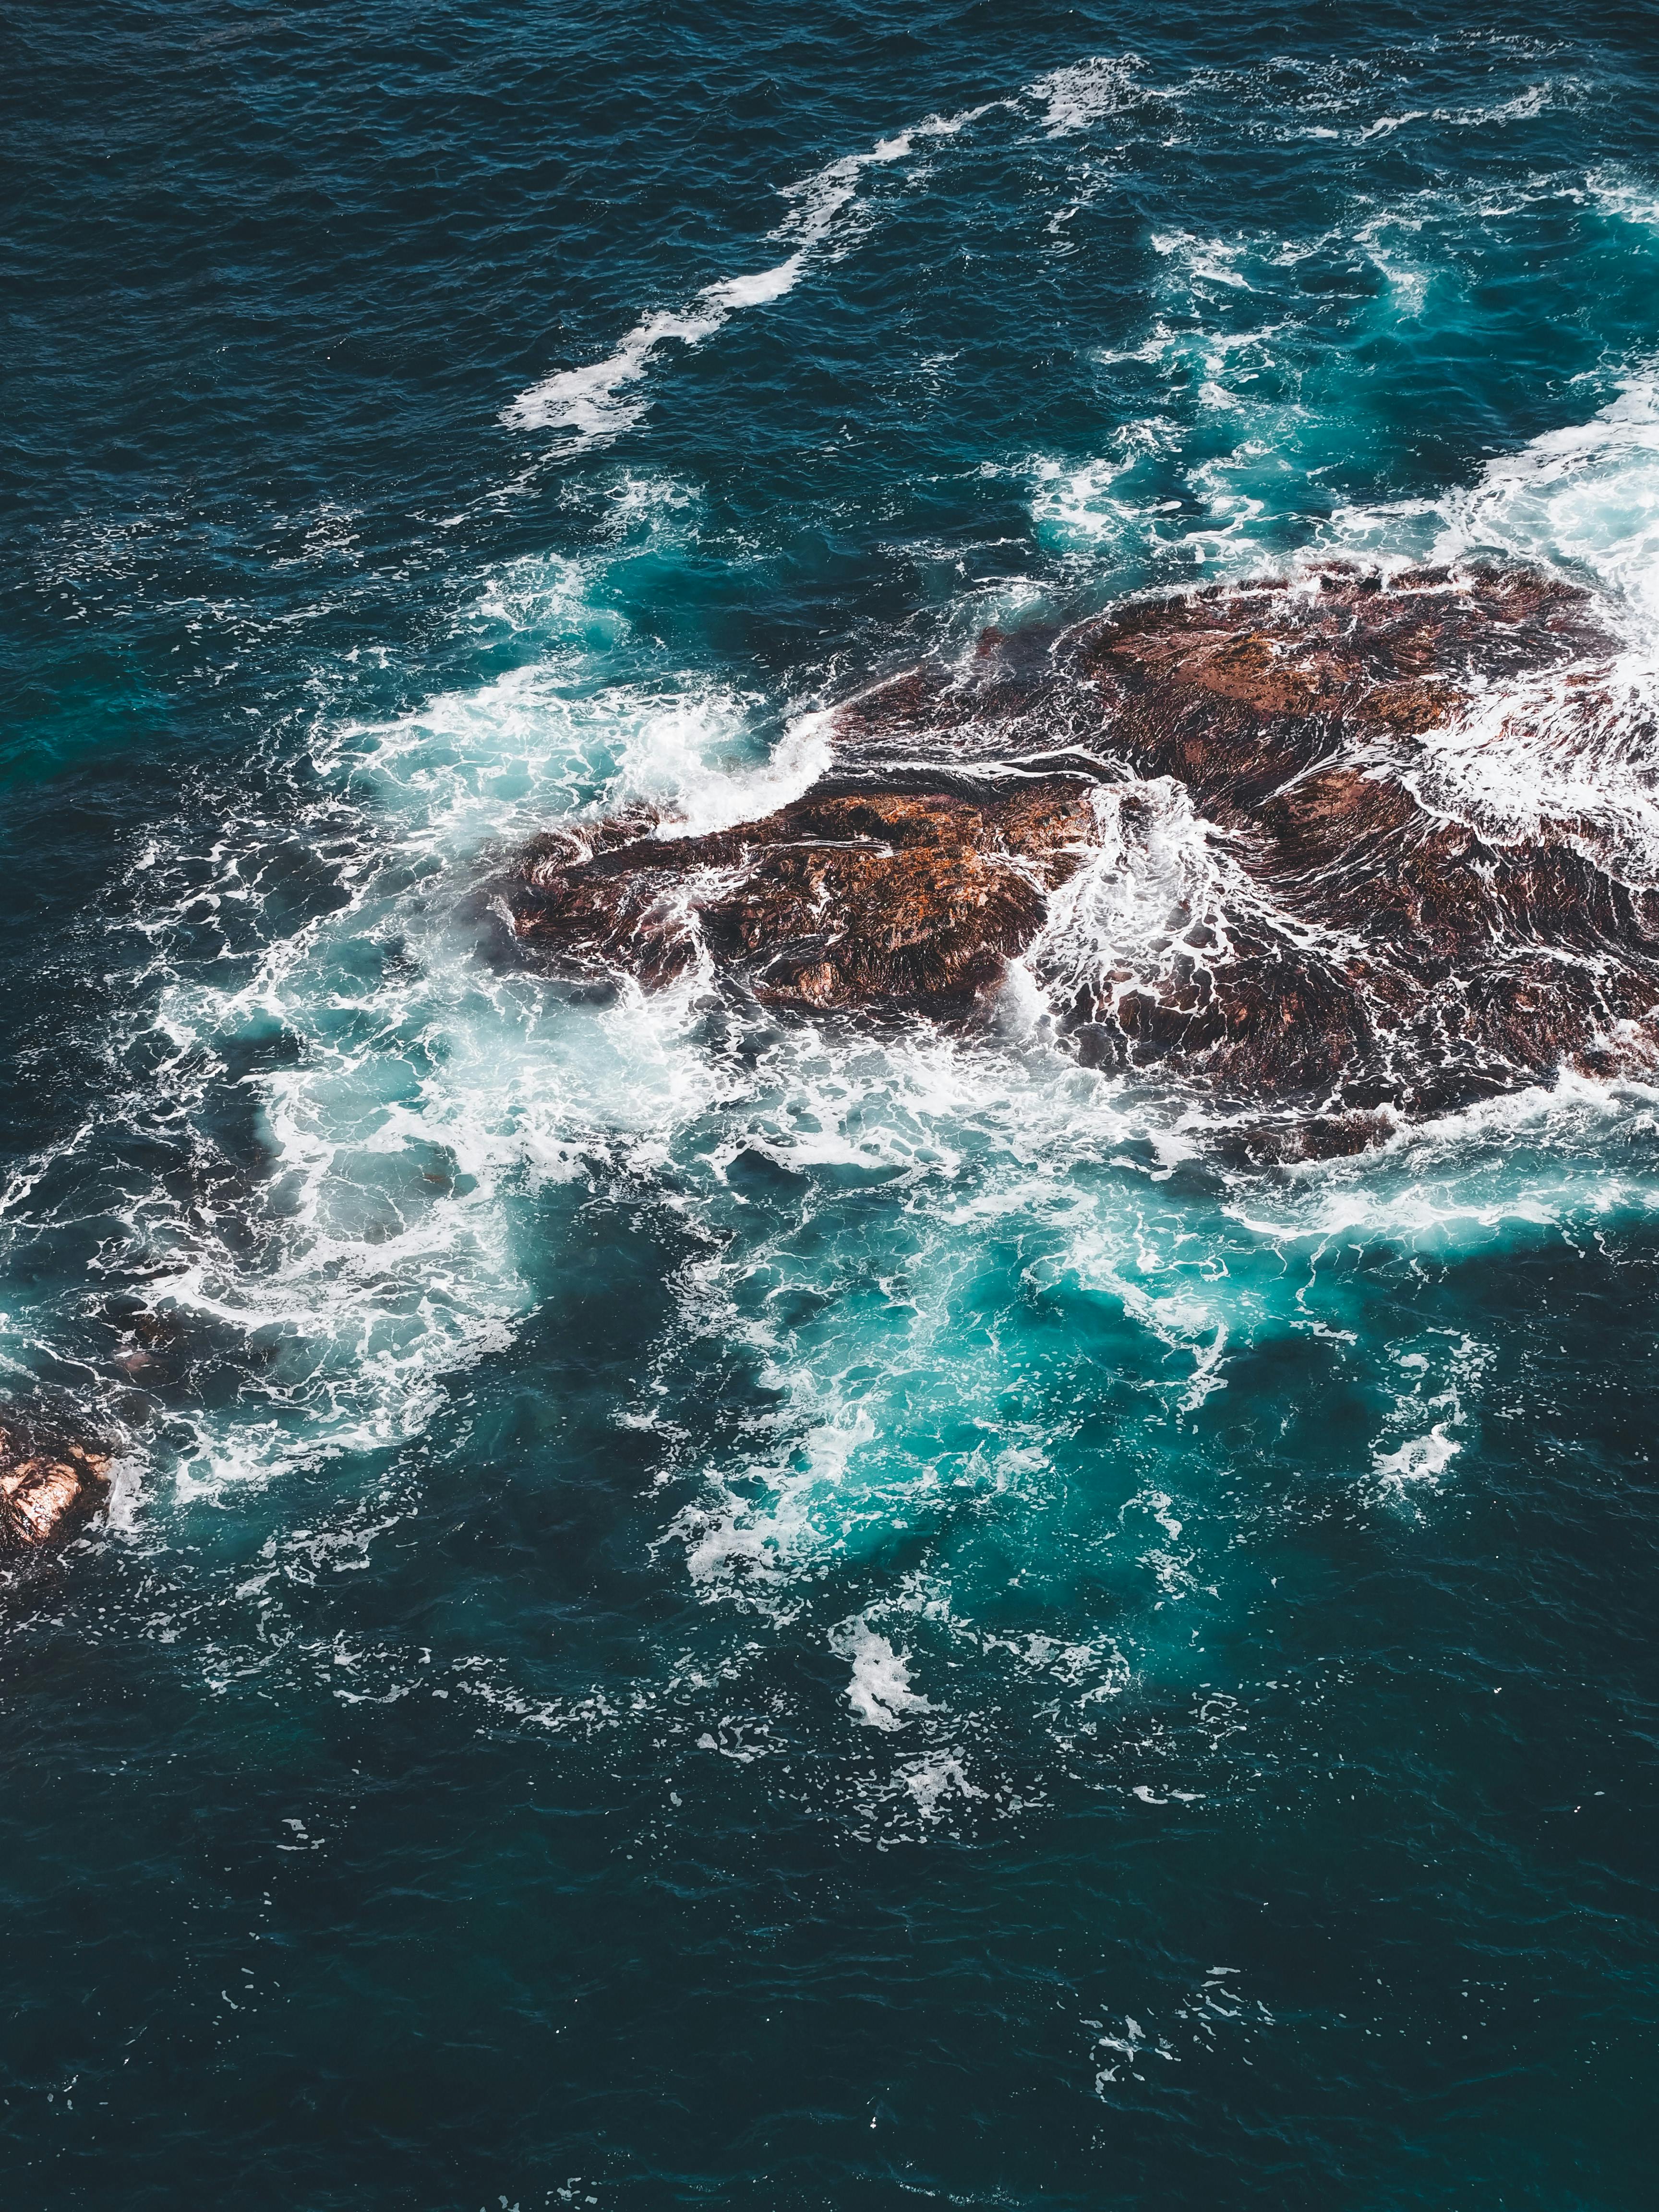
(51, 1484)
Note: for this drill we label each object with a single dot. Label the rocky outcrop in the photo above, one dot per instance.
(51, 1484)
(1259, 836)
(848, 897)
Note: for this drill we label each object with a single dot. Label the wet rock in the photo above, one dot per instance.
(1309, 1137)
(52, 1482)
(1379, 946)
(848, 897)
(1233, 834)
(154, 1343)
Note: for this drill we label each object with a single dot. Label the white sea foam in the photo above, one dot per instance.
(1587, 494)
(893, 1413)
(1204, 260)
(1574, 757)
(1386, 125)
(879, 1691)
(425, 1093)
(1217, 2001)
(1419, 1459)
(386, 1253)
(1106, 503)
(1584, 498)
(1085, 92)
(1408, 279)
(934, 1780)
(1575, 752)
(595, 403)
(1521, 107)
(1627, 198)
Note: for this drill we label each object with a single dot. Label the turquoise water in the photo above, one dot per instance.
(708, 1608)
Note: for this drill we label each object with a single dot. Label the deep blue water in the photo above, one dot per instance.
(708, 1611)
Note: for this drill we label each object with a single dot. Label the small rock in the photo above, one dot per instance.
(51, 1483)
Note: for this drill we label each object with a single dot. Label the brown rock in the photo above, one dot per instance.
(845, 898)
(1304, 927)
(51, 1483)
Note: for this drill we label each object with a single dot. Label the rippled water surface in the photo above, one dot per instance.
(710, 1608)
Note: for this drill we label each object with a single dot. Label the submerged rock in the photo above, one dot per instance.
(1349, 842)
(51, 1483)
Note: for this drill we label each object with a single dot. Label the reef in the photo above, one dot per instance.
(52, 1483)
(1298, 840)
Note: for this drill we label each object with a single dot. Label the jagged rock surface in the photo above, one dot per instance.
(844, 898)
(1219, 827)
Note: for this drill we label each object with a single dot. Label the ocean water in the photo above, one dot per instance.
(717, 1609)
